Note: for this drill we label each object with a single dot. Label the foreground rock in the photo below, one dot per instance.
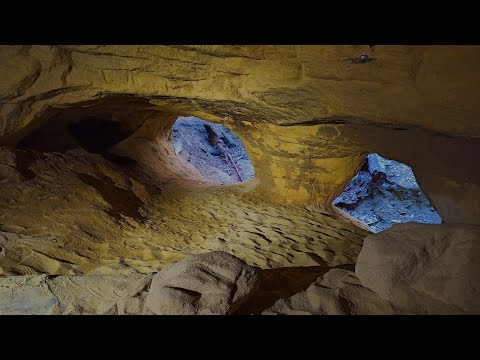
(339, 292)
(100, 295)
(424, 269)
(211, 283)
(26, 295)
(73, 295)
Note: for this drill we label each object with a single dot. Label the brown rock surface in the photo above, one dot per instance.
(307, 114)
(214, 283)
(93, 216)
(424, 268)
(74, 295)
(338, 292)
(26, 295)
(100, 295)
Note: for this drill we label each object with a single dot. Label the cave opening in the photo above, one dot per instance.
(383, 193)
(98, 135)
(142, 139)
(213, 149)
(95, 126)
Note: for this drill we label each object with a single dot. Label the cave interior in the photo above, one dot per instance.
(239, 180)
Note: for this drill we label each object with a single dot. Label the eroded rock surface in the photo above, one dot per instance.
(26, 295)
(100, 295)
(120, 201)
(338, 292)
(424, 268)
(210, 283)
(214, 283)
(94, 216)
(306, 114)
(74, 295)
(390, 196)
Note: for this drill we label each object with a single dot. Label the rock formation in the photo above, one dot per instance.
(424, 268)
(383, 193)
(91, 185)
(214, 283)
(338, 292)
(415, 104)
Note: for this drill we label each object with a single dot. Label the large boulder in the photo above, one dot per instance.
(426, 269)
(338, 292)
(210, 283)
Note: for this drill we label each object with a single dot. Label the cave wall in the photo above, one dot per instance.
(307, 114)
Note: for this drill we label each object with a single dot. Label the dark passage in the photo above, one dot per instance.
(97, 135)
(385, 192)
(216, 152)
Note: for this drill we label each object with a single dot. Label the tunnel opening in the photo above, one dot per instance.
(213, 149)
(98, 135)
(383, 193)
(94, 126)
(142, 140)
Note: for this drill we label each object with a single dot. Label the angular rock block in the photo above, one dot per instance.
(213, 283)
(338, 292)
(424, 269)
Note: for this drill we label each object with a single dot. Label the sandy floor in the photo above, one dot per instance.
(78, 213)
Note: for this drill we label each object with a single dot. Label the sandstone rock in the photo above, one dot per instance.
(26, 295)
(285, 102)
(306, 116)
(338, 292)
(74, 295)
(210, 283)
(8, 171)
(424, 268)
(100, 295)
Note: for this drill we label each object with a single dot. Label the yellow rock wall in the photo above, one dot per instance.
(307, 114)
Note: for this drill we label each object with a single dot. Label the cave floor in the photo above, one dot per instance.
(78, 213)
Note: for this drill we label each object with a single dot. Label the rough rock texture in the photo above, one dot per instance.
(227, 284)
(74, 295)
(216, 152)
(214, 283)
(424, 268)
(211, 283)
(26, 295)
(95, 216)
(338, 292)
(90, 183)
(100, 295)
(307, 114)
(391, 197)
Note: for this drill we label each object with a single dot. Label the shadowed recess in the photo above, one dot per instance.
(123, 202)
(282, 283)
